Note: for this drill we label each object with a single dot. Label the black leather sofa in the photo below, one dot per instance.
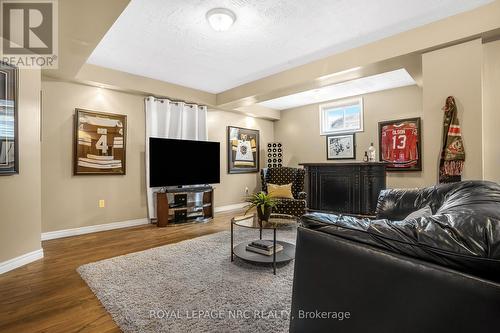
(434, 273)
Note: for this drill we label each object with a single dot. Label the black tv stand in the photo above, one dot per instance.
(180, 205)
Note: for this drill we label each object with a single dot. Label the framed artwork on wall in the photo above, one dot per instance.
(400, 144)
(9, 152)
(99, 143)
(340, 147)
(242, 150)
(345, 116)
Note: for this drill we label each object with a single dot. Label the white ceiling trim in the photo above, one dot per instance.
(369, 84)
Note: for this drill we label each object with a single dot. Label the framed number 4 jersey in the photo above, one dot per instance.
(100, 143)
(400, 144)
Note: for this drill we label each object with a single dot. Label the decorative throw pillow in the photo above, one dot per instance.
(280, 191)
(422, 212)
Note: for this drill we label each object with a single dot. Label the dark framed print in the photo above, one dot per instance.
(242, 150)
(99, 143)
(400, 144)
(340, 147)
(9, 152)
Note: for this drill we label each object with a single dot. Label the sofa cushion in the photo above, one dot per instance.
(463, 233)
(396, 204)
(422, 212)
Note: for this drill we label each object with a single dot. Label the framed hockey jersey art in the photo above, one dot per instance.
(99, 143)
(243, 150)
(9, 153)
(400, 144)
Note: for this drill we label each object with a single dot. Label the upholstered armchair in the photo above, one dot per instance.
(285, 175)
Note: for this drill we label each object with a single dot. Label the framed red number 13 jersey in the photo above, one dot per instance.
(399, 144)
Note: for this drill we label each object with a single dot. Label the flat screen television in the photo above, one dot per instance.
(175, 162)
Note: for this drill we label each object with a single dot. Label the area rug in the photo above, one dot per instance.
(192, 286)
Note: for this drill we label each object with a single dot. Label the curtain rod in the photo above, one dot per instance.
(173, 101)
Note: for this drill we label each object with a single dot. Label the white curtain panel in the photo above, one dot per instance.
(171, 120)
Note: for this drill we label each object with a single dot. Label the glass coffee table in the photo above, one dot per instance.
(276, 221)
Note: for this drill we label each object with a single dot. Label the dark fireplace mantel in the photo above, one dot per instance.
(344, 187)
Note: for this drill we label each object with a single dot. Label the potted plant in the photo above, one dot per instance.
(264, 204)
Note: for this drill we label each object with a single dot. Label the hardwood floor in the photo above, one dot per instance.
(49, 295)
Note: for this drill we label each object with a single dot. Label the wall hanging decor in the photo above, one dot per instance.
(451, 163)
(340, 147)
(400, 144)
(345, 116)
(99, 143)
(9, 154)
(274, 155)
(242, 150)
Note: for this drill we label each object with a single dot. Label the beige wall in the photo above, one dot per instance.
(20, 203)
(231, 190)
(491, 111)
(131, 83)
(45, 196)
(72, 201)
(455, 71)
(298, 130)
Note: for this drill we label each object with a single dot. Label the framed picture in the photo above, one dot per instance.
(9, 152)
(99, 143)
(340, 147)
(400, 144)
(344, 116)
(242, 150)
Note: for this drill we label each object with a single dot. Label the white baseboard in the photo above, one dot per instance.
(93, 228)
(118, 225)
(20, 261)
(231, 207)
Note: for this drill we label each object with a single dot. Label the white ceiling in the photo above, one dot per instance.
(389, 80)
(170, 40)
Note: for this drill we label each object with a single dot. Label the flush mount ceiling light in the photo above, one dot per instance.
(220, 19)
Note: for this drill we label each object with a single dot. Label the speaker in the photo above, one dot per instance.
(274, 155)
(180, 200)
(180, 215)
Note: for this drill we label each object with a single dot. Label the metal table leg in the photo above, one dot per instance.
(232, 251)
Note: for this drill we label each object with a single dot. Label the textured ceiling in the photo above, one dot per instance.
(170, 40)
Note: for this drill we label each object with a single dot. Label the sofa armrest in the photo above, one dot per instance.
(383, 292)
(302, 196)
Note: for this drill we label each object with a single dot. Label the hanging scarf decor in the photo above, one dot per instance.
(452, 160)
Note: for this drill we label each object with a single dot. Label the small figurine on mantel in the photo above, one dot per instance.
(365, 158)
(371, 153)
